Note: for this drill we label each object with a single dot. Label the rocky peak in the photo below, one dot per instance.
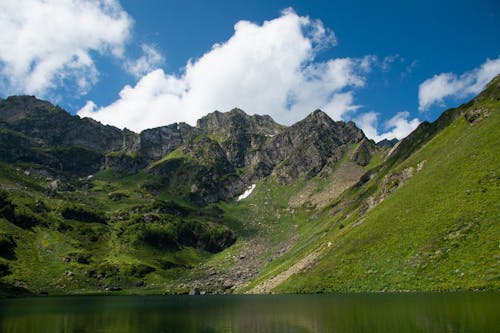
(319, 128)
(306, 147)
(52, 126)
(16, 108)
(224, 152)
(238, 132)
(387, 143)
(237, 122)
(317, 116)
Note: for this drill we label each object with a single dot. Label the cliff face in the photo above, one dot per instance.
(303, 149)
(214, 161)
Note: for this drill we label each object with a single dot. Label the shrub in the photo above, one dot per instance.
(26, 219)
(118, 196)
(107, 270)
(4, 269)
(6, 206)
(138, 270)
(82, 213)
(81, 258)
(170, 207)
(7, 246)
(220, 237)
(159, 236)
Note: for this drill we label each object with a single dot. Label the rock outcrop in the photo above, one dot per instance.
(216, 160)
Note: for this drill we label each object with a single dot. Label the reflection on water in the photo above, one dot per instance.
(456, 312)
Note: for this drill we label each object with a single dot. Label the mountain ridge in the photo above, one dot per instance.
(325, 209)
(255, 145)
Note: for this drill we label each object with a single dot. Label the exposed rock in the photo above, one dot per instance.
(194, 291)
(474, 115)
(303, 149)
(390, 184)
(420, 166)
(53, 126)
(53, 185)
(387, 143)
(157, 142)
(364, 152)
(123, 164)
(239, 133)
(216, 160)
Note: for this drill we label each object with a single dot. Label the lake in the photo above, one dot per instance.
(418, 312)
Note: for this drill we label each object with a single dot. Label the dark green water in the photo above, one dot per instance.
(455, 312)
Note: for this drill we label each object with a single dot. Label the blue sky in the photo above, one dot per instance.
(386, 65)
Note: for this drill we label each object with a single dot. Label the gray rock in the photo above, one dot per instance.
(194, 291)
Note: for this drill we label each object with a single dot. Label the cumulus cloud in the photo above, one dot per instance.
(48, 43)
(436, 89)
(397, 127)
(263, 69)
(150, 60)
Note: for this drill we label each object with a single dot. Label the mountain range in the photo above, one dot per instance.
(239, 203)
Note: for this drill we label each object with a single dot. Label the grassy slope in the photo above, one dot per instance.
(40, 250)
(439, 231)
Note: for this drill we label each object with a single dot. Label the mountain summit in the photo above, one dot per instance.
(248, 147)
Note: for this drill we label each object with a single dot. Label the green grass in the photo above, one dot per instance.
(437, 232)
(176, 154)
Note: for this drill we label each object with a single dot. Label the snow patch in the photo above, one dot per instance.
(247, 192)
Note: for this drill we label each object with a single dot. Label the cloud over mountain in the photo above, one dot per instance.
(450, 85)
(265, 69)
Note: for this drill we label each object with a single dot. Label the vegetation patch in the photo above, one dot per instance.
(82, 213)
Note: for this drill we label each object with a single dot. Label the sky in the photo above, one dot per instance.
(137, 64)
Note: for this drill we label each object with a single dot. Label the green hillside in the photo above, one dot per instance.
(436, 226)
(356, 217)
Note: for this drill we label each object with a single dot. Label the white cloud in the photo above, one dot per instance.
(440, 86)
(386, 63)
(264, 69)
(397, 127)
(150, 60)
(45, 44)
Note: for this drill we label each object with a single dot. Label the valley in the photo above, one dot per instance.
(91, 209)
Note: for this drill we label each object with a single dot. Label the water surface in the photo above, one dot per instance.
(443, 312)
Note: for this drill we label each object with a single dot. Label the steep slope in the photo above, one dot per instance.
(86, 207)
(227, 152)
(35, 131)
(303, 149)
(241, 149)
(426, 219)
(328, 209)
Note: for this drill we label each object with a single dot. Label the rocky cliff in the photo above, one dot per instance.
(215, 160)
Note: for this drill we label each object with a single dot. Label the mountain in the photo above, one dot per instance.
(425, 219)
(239, 203)
(388, 143)
(213, 161)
